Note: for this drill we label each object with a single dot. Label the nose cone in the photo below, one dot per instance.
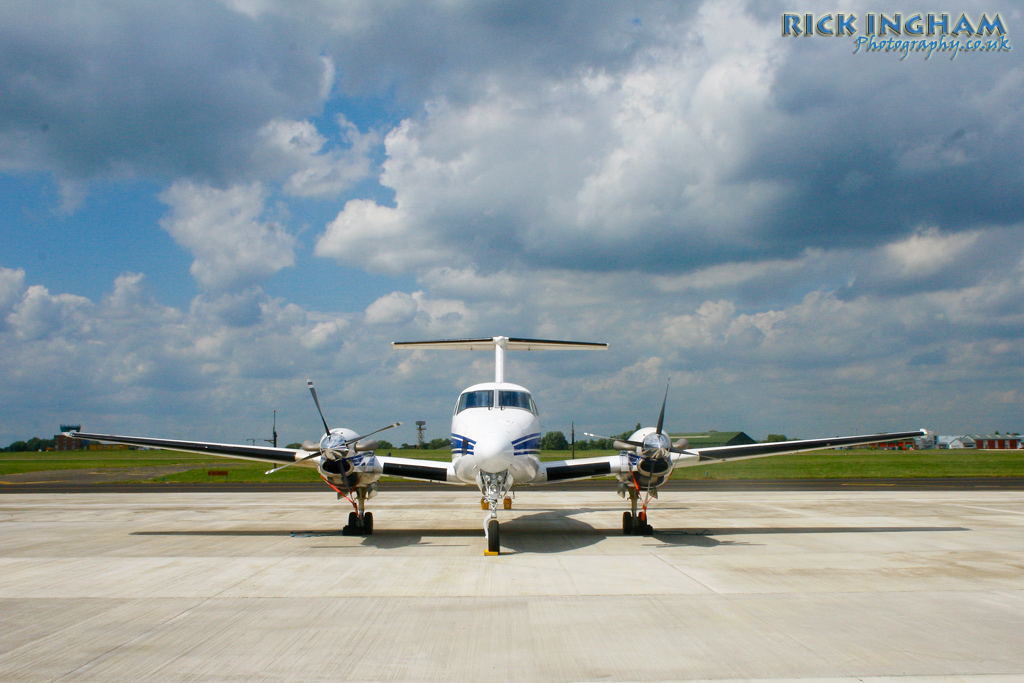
(494, 453)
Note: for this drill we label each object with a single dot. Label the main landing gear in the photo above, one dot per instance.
(633, 523)
(360, 522)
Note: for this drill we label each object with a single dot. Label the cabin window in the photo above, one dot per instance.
(517, 399)
(475, 399)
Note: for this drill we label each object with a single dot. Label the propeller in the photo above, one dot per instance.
(317, 450)
(314, 449)
(678, 446)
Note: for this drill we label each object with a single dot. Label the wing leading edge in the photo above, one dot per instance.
(762, 450)
(261, 453)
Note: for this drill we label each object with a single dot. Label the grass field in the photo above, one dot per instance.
(858, 463)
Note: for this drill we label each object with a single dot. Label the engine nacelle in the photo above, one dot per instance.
(654, 467)
(352, 470)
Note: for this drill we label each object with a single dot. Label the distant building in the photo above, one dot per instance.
(898, 445)
(955, 442)
(996, 442)
(66, 443)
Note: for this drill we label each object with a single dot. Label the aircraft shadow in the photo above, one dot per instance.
(710, 537)
(552, 531)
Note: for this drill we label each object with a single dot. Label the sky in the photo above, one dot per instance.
(203, 204)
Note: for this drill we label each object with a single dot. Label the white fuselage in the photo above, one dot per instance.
(496, 428)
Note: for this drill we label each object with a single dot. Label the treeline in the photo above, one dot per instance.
(33, 444)
(556, 441)
(433, 444)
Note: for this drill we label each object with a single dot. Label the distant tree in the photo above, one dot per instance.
(382, 444)
(407, 446)
(436, 444)
(776, 437)
(554, 441)
(32, 445)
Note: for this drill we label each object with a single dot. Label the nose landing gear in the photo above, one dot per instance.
(494, 486)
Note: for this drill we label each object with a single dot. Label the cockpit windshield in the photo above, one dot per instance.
(517, 399)
(476, 399)
(484, 398)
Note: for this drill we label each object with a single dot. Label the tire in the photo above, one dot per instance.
(493, 543)
(627, 523)
(353, 519)
(368, 524)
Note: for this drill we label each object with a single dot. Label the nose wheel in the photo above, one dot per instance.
(493, 538)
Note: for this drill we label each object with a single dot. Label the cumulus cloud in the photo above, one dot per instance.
(233, 247)
(378, 239)
(121, 362)
(698, 146)
(313, 169)
(399, 308)
(115, 89)
(928, 251)
(763, 219)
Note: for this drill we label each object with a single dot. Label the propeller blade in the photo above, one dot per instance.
(661, 417)
(312, 390)
(311, 455)
(360, 438)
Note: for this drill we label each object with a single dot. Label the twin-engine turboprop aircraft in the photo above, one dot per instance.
(495, 446)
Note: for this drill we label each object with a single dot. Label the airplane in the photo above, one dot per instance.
(495, 441)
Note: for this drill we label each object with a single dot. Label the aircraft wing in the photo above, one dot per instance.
(762, 450)
(261, 453)
(418, 469)
(581, 468)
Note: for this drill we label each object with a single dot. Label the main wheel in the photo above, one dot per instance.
(493, 543)
(368, 524)
(627, 523)
(353, 519)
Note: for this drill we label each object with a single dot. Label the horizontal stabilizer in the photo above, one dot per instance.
(515, 343)
(500, 346)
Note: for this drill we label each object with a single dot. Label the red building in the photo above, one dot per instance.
(997, 442)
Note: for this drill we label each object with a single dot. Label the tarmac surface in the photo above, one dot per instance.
(872, 585)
